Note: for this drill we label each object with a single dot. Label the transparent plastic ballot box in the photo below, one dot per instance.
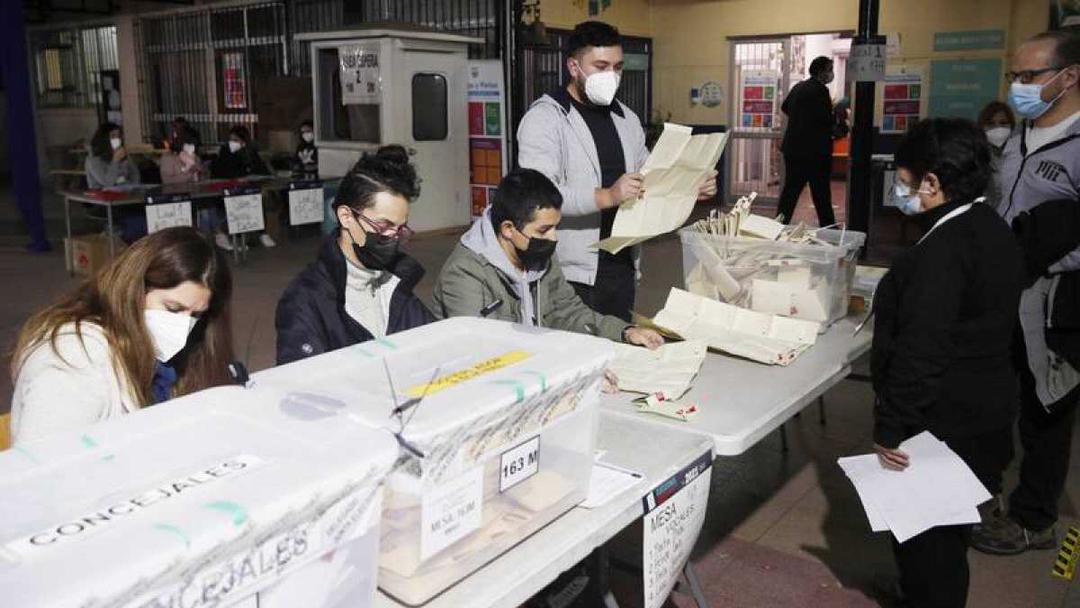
(496, 422)
(226, 497)
(802, 280)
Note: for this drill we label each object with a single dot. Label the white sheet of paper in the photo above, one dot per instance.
(760, 226)
(305, 206)
(606, 483)
(936, 489)
(674, 171)
(669, 369)
(244, 213)
(167, 215)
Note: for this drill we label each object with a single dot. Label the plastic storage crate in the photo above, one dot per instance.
(217, 498)
(497, 424)
(801, 280)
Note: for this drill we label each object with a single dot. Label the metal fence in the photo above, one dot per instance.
(68, 63)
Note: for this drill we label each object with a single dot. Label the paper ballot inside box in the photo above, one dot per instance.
(745, 333)
(676, 168)
(221, 491)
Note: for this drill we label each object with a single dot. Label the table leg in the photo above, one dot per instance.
(67, 243)
(821, 409)
(109, 231)
(695, 585)
(599, 565)
(783, 439)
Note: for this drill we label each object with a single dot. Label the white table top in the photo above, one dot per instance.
(521, 572)
(741, 401)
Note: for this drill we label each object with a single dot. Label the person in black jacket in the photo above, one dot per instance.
(807, 143)
(361, 286)
(945, 316)
(239, 158)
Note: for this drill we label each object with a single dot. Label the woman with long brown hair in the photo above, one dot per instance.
(152, 325)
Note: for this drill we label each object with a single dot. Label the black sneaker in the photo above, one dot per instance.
(1010, 538)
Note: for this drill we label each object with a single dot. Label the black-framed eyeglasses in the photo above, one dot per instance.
(385, 228)
(1026, 76)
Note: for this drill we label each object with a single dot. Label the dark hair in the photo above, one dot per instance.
(387, 170)
(591, 33)
(953, 149)
(185, 135)
(1066, 45)
(242, 132)
(820, 64)
(306, 123)
(992, 108)
(520, 194)
(99, 143)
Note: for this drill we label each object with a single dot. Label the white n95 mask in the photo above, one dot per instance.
(169, 332)
(189, 148)
(601, 87)
(234, 146)
(997, 136)
(115, 142)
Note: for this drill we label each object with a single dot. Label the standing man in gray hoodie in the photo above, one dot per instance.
(592, 147)
(1041, 163)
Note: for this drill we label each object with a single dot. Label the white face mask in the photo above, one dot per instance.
(169, 331)
(234, 146)
(601, 87)
(308, 136)
(189, 148)
(997, 136)
(910, 204)
(115, 142)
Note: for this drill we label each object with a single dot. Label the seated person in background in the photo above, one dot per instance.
(108, 164)
(997, 121)
(181, 164)
(360, 287)
(152, 325)
(238, 158)
(176, 127)
(946, 314)
(306, 160)
(503, 267)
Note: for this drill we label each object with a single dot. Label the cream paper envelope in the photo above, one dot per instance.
(789, 300)
(798, 276)
(760, 226)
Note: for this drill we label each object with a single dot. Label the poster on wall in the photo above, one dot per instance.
(234, 81)
(960, 88)
(487, 137)
(1064, 13)
(758, 92)
(901, 102)
(360, 75)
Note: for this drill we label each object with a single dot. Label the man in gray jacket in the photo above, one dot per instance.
(592, 147)
(503, 267)
(1041, 163)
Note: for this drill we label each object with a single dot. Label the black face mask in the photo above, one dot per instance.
(378, 251)
(537, 255)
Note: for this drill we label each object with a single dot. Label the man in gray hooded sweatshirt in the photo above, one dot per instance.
(503, 267)
(1040, 170)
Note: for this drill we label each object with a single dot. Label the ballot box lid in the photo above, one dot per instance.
(212, 493)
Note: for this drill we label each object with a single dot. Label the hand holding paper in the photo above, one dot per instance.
(674, 176)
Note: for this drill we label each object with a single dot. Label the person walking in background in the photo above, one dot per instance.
(807, 143)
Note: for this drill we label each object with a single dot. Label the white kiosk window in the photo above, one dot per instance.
(429, 104)
(345, 115)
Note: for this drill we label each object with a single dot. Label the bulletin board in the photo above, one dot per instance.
(758, 93)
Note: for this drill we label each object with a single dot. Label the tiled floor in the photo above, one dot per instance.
(782, 530)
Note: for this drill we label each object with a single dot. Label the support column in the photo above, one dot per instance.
(862, 131)
(15, 72)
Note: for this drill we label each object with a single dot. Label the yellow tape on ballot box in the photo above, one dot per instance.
(1065, 563)
(484, 367)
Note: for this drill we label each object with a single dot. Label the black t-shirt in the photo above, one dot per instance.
(612, 161)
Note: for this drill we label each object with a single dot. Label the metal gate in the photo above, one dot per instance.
(759, 82)
(209, 63)
(68, 63)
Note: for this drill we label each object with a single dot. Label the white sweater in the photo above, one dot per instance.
(70, 387)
